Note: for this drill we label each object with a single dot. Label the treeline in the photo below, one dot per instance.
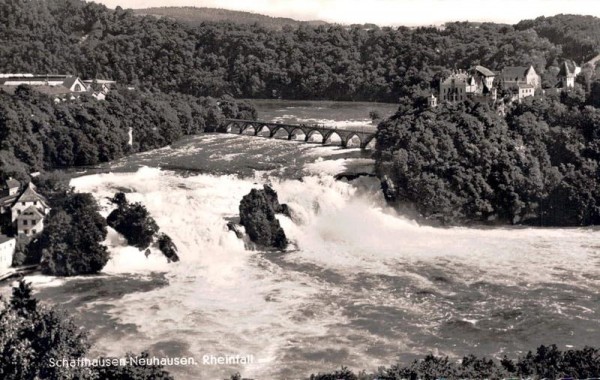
(548, 362)
(38, 133)
(305, 62)
(462, 163)
(578, 35)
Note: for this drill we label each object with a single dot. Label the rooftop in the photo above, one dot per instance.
(512, 72)
(568, 68)
(4, 238)
(30, 195)
(485, 71)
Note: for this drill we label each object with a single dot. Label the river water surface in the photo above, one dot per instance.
(362, 286)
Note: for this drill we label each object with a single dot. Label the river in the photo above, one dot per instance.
(362, 286)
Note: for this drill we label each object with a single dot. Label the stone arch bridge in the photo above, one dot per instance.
(364, 136)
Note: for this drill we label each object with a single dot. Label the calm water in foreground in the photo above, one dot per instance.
(362, 286)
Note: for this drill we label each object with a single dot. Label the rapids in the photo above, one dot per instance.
(363, 286)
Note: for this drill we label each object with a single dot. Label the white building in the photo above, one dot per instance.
(7, 250)
(28, 211)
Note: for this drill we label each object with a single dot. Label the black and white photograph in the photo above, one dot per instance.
(299, 189)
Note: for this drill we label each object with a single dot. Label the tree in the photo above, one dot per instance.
(33, 335)
(133, 221)
(71, 242)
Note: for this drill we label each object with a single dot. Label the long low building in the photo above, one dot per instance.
(57, 85)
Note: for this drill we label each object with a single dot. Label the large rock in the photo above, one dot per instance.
(257, 215)
(273, 200)
(167, 247)
(388, 187)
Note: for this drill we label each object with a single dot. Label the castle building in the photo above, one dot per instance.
(477, 84)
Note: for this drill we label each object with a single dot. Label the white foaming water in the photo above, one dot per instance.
(222, 298)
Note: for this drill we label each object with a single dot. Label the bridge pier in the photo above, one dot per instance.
(345, 135)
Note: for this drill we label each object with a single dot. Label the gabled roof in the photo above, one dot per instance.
(11, 183)
(512, 72)
(9, 200)
(568, 68)
(30, 195)
(69, 82)
(4, 238)
(485, 71)
(33, 210)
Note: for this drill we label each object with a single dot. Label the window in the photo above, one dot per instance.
(23, 203)
(33, 222)
(35, 203)
(19, 212)
(77, 88)
(33, 231)
(26, 232)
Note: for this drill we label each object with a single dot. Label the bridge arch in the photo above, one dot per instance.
(295, 131)
(248, 129)
(233, 127)
(311, 134)
(327, 138)
(279, 132)
(261, 129)
(353, 140)
(368, 141)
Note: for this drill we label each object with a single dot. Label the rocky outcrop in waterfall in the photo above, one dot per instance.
(257, 215)
(389, 189)
(167, 247)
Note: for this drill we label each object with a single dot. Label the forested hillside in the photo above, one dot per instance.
(317, 62)
(578, 35)
(462, 163)
(195, 16)
(37, 133)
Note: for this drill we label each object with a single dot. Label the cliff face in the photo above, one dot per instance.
(257, 215)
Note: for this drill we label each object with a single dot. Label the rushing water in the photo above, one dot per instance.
(362, 286)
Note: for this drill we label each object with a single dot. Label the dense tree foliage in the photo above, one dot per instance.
(548, 362)
(539, 164)
(37, 133)
(302, 62)
(579, 36)
(133, 221)
(71, 242)
(33, 338)
(31, 335)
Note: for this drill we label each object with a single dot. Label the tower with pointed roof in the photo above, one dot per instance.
(567, 74)
(28, 211)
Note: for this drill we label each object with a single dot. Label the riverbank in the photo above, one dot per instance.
(16, 272)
